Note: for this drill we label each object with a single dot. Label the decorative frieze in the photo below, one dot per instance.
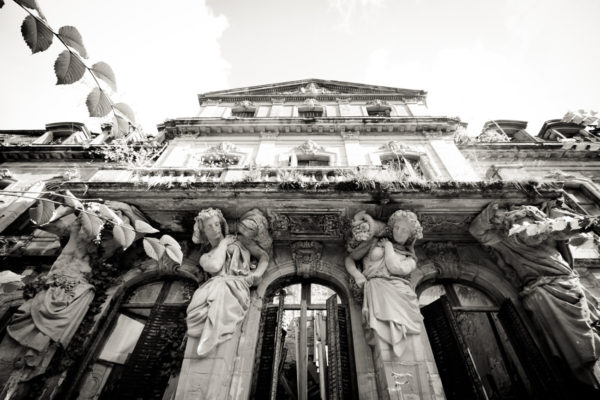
(306, 224)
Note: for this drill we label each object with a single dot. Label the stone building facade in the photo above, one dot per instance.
(315, 240)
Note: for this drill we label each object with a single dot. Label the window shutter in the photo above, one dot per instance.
(271, 317)
(339, 372)
(456, 368)
(142, 377)
(543, 380)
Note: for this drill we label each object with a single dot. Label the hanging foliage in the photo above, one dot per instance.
(70, 67)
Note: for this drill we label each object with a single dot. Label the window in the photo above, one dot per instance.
(242, 114)
(406, 167)
(144, 345)
(378, 112)
(305, 345)
(310, 114)
(482, 351)
(312, 161)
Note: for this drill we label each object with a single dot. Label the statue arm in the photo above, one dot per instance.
(485, 227)
(263, 260)
(358, 277)
(213, 261)
(397, 264)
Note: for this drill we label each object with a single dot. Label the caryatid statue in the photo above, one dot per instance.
(527, 241)
(390, 306)
(236, 262)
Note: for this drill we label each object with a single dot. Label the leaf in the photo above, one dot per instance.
(124, 234)
(60, 212)
(126, 111)
(31, 4)
(143, 227)
(120, 126)
(175, 254)
(103, 71)
(36, 34)
(1, 3)
(71, 36)
(97, 103)
(168, 241)
(106, 212)
(72, 201)
(68, 68)
(153, 248)
(91, 223)
(42, 214)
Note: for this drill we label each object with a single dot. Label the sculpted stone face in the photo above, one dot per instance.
(212, 229)
(402, 231)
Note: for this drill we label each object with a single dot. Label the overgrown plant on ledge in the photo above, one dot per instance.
(70, 66)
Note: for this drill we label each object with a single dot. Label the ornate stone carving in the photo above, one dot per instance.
(5, 173)
(312, 103)
(224, 299)
(306, 224)
(221, 155)
(307, 256)
(444, 257)
(310, 147)
(310, 88)
(390, 308)
(446, 223)
(377, 103)
(245, 104)
(533, 244)
(53, 315)
(399, 148)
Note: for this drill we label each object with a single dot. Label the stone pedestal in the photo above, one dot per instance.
(207, 377)
(413, 376)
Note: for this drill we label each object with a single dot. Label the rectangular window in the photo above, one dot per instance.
(242, 114)
(310, 114)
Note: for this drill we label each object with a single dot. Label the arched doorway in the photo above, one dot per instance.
(140, 353)
(304, 349)
(483, 350)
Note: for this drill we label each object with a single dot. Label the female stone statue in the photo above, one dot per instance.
(527, 241)
(220, 304)
(54, 313)
(390, 306)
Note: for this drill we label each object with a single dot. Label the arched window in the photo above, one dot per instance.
(140, 354)
(304, 348)
(482, 350)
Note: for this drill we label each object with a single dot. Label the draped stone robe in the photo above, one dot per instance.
(551, 291)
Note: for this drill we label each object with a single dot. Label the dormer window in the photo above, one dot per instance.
(311, 108)
(379, 108)
(242, 114)
(243, 109)
(310, 114)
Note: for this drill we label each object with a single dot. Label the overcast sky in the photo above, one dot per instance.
(500, 59)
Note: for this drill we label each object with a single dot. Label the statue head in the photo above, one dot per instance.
(254, 226)
(210, 226)
(405, 227)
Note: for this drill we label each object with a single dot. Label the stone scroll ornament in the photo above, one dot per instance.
(532, 243)
(236, 262)
(390, 306)
(94, 232)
